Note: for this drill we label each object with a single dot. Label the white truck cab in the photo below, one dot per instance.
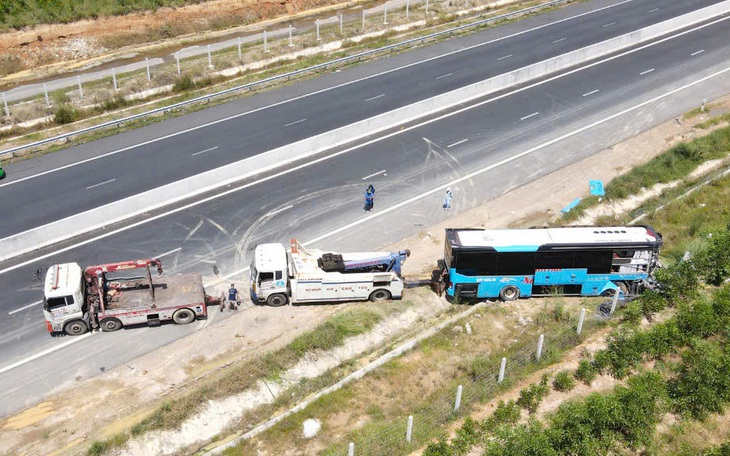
(63, 296)
(269, 275)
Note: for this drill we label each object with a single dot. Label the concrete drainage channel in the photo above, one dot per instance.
(175, 192)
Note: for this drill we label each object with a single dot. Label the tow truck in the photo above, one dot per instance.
(300, 275)
(76, 301)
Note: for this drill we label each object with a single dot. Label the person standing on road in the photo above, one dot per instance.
(232, 298)
(369, 198)
(447, 199)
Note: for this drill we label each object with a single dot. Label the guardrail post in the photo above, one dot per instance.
(409, 428)
(319, 38)
(81, 89)
(457, 403)
(147, 63)
(580, 320)
(540, 341)
(5, 105)
(291, 43)
(45, 92)
(614, 302)
(351, 449)
(114, 78)
(502, 367)
(385, 13)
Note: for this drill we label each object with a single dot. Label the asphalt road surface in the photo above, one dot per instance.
(480, 150)
(90, 175)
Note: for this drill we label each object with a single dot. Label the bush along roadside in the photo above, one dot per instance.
(241, 377)
(626, 417)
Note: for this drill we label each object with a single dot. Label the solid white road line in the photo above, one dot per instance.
(504, 57)
(73, 340)
(646, 72)
(327, 89)
(531, 115)
(169, 253)
(590, 93)
(457, 143)
(697, 53)
(653, 10)
(375, 97)
(100, 184)
(373, 174)
(404, 130)
(559, 40)
(295, 122)
(609, 24)
(204, 151)
(444, 76)
(25, 307)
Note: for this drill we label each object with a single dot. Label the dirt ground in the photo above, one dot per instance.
(54, 427)
(51, 49)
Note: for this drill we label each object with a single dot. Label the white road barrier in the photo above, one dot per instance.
(175, 192)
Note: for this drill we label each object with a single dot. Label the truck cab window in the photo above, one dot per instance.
(54, 303)
(279, 275)
(266, 277)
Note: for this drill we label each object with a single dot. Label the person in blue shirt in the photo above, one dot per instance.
(369, 198)
(233, 298)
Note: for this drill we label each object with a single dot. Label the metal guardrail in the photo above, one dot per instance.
(286, 76)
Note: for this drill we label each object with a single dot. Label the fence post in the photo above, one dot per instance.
(210, 58)
(363, 19)
(177, 62)
(340, 23)
(466, 4)
(409, 428)
(385, 13)
(614, 302)
(239, 48)
(457, 403)
(45, 92)
(114, 78)
(502, 367)
(580, 320)
(408, 7)
(540, 341)
(266, 42)
(319, 38)
(81, 89)
(426, 6)
(291, 43)
(351, 449)
(5, 105)
(147, 62)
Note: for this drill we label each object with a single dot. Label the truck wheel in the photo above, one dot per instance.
(277, 300)
(379, 295)
(110, 324)
(75, 328)
(183, 316)
(509, 293)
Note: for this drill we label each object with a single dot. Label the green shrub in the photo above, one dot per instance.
(702, 384)
(679, 282)
(722, 450)
(65, 114)
(466, 437)
(715, 260)
(505, 413)
(663, 339)
(183, 84)
(525, 439)
(585, 372)
(531, 396)
(625, 349)
(440, 448)
(632, 313)
(697, 319)
(563, 381)
(652, 301)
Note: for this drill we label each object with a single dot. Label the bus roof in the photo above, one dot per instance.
(533, 238)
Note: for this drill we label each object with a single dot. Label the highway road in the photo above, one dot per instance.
(481, 150)
(90, 175)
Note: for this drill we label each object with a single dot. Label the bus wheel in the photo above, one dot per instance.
(509, 293)
(183, 316)
(379, 295)
(277, 300)
(110, 324)
(75, 328)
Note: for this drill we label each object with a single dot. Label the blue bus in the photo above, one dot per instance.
(571, 261)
